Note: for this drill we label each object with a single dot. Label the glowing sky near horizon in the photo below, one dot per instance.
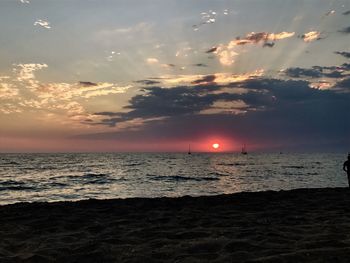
(155, 75)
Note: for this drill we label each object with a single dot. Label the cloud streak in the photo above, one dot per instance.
(42, 23)
(311, 36)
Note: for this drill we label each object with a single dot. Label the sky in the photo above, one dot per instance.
(158, 75)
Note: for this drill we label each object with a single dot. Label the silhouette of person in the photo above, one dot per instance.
(346, 168)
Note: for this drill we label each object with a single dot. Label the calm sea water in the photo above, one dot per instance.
(58, 177)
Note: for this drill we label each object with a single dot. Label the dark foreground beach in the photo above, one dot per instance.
(307, 225)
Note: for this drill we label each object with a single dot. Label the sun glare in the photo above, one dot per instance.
(216, 146)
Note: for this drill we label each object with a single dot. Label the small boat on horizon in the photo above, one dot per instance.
(189, 149)
(244, 150)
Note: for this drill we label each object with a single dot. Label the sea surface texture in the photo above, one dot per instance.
(67, 177)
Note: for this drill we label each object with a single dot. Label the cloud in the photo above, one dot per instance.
(25, 92)
(271, 112)
(152, 61)
(26, 71)
(269, 44)
(111, 55)
(322, 85)
(301, 72)
(109, 36)
(87, 84)
(226, 55)
(204, 80)
(219, 78)
(42, 23)
(168, 66)
(200, 65)
(105, 91)
(182, 100)
(208, 17)
(344, 85)
(311, 36)
(343, 53)
(140, 27)
(325, 72)
(254, 38)
(345, 30)
(228, 52)
(147, 82)
(226, 107)
(7, 90)
(212, 50)
(331, 12)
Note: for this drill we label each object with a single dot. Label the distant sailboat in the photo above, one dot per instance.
(189, 149)
(244, 150)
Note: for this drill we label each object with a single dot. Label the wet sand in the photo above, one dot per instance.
(306, 225)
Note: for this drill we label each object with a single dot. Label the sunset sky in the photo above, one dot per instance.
(156, 75)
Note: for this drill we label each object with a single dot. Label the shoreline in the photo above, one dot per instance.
(301, 225)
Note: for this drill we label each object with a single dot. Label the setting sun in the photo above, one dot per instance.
(216, 145)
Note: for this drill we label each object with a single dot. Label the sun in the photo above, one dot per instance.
(216, 145)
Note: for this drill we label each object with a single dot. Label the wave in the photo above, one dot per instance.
(134, 164)
(93, 175)
(10, 163)
(56, 184)
(17, 188)
(11, 182)
(182, 178)
(219, 174)
(232, 164)
(14, 186)
(293, 166)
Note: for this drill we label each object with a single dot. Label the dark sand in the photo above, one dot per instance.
(310, 225)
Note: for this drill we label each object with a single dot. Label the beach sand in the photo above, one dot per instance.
(305, 225)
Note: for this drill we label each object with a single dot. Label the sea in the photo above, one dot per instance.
(77, 176)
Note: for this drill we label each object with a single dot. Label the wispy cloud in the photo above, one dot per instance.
(255, 38)
(7, 90)
(331, 12)
(125, 30)
(200, 65)
(311, 36)
(88, 83)
(111, 35)
(152, 61)
(26, 71)
(211, 50)
(218, 78)
(112, 55)
(208, 17)
(269, 44)
(42, 23)
(147, 82)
